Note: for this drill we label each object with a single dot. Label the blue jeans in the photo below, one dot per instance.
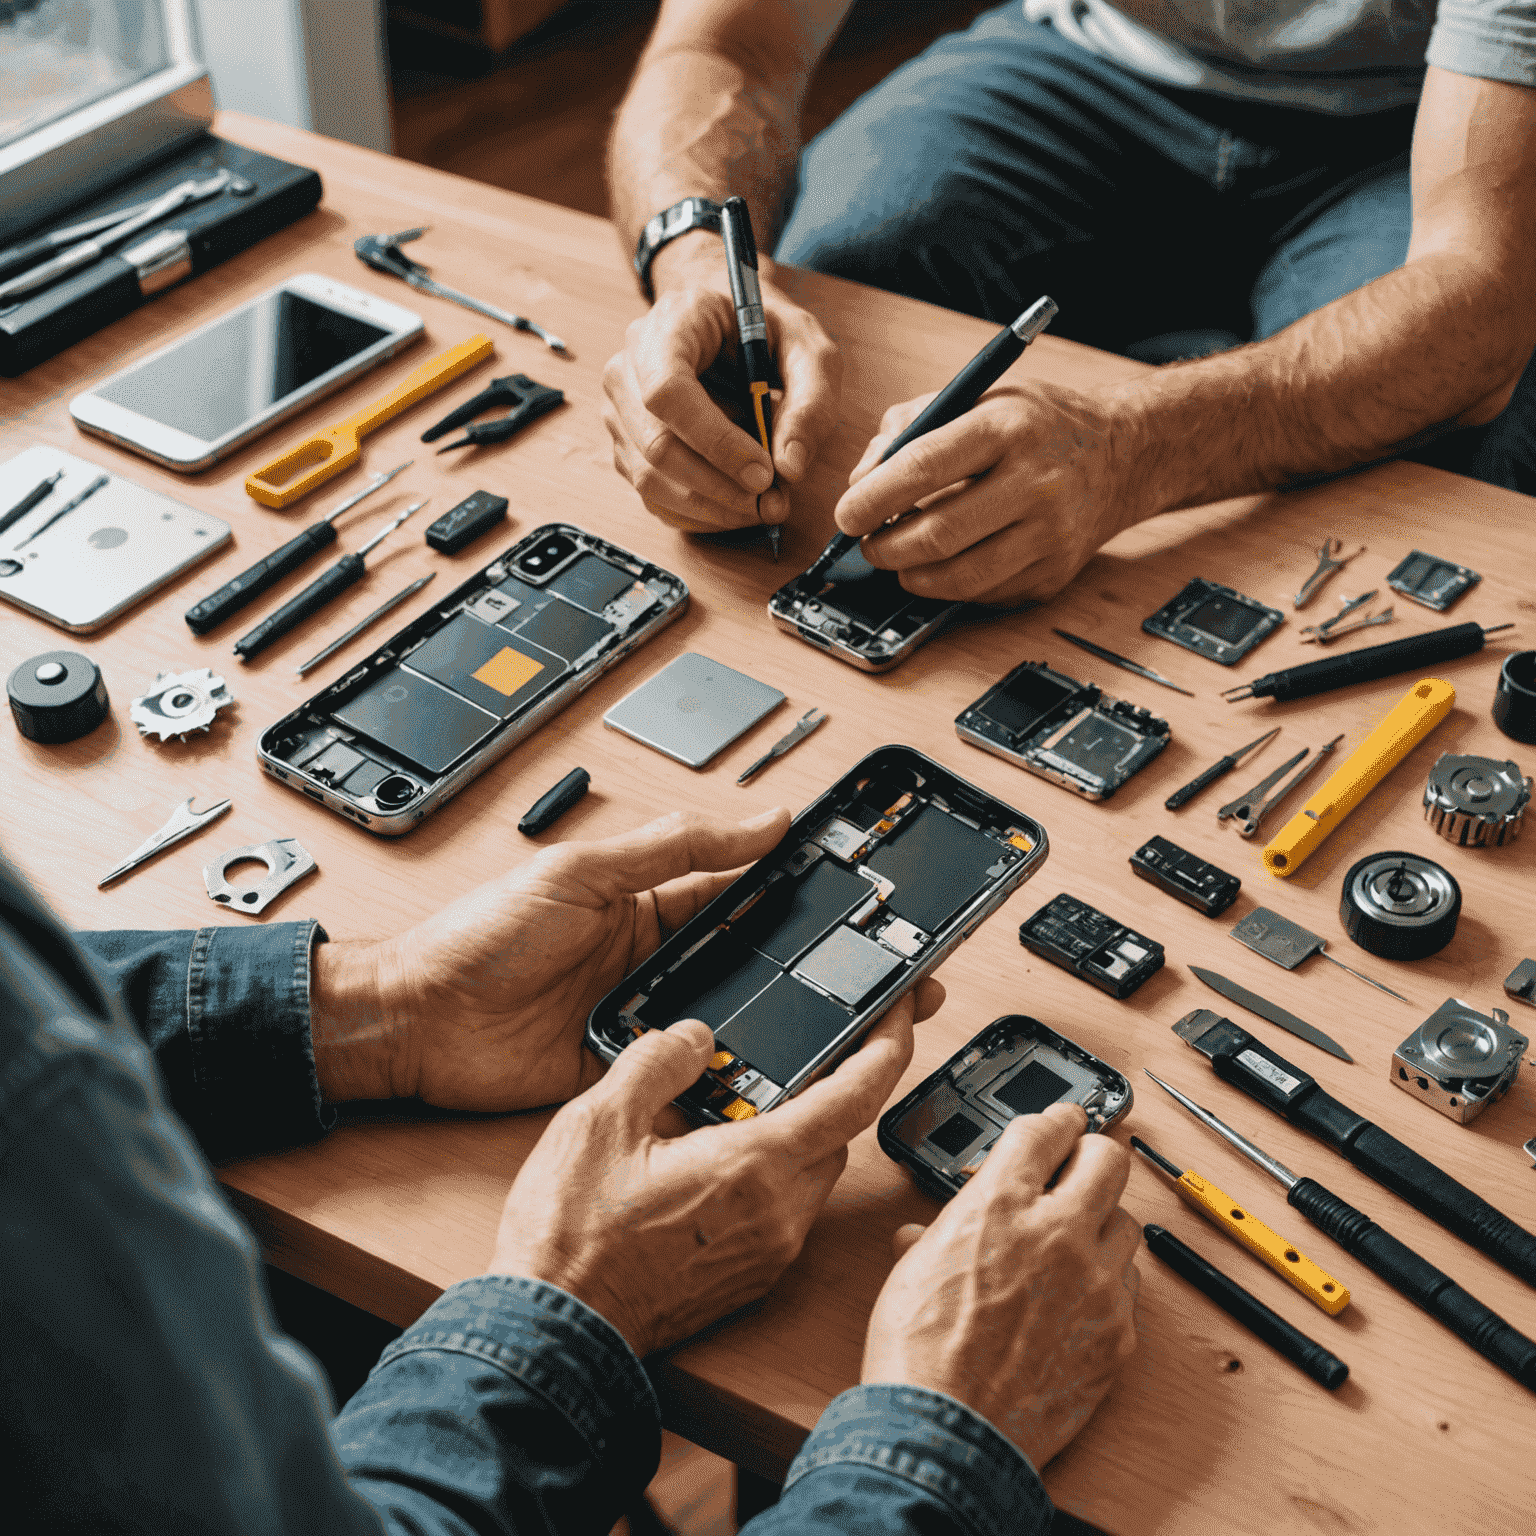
(1007, 161)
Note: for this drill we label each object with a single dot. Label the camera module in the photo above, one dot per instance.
(547, 554)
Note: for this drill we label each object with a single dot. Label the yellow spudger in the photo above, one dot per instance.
(1317, 1285)
(1416, 714)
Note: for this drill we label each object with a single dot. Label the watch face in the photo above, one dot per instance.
(666, 226)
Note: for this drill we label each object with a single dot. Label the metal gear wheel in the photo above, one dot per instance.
(178, 703)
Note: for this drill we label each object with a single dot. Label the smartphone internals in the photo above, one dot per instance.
(871, 888)
(440, 701)
(944, 1129)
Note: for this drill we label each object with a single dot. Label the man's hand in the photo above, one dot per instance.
(1018, 1300)
(695, 468)
(483, 1005)
(664, 1236)
(1020, 491)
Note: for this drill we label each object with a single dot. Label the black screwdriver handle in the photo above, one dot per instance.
(347, 571)
(1375, 661)
(1418, 1280)
(1204, 781)
(251, 583)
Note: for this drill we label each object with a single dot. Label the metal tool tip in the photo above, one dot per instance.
(463, 442)
(1493, 629)
(1234, 695)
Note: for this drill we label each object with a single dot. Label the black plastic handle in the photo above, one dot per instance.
(1418, 1280)
(251, 583)
(345, 573)
(1377, 661)
(1204, 781)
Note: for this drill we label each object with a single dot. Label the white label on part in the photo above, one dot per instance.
(1269, 1071)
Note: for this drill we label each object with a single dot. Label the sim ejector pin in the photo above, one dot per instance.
(802, 728)
(1327, 563)
(183, 823)
(1254, 815)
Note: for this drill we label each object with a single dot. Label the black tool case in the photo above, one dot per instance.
(39, 325)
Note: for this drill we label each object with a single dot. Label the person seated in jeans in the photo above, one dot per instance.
(1330, 242)
(143, 1387)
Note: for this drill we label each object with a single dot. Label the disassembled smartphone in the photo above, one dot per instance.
(863, 616)
(1063, 730)
(871, 888)
(944, 1129)
(440, 701)
(1214, 621)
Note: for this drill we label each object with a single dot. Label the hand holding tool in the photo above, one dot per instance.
(1221, 767)
(1320, 1364)
(67, 508)
(183, 823)
(347, 571)
(1415, 715)
(387, 606)
(383, 254)
(1317, 1285)
(1404, 1270)
(1366, 666)
(1122, 661)
(39, 492)
(1271, 1012)
(1327, 563)
(267, 572)
(802, 728)
(338, 447)
(525, 398)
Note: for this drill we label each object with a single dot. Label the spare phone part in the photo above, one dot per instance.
(1477, 802)
(1400, 906)
(869, 890)
(182, 823)
(461, 525)
(1063, 730)
(286, 863)
(550, 807)
(57, 697)
(1185, 877)
(1288, 944)
(1460, 1061)
(1081, 939)
(471, 676)
(944, 1129)
(693, 709)
(1214, 621)
(1521, 982)
(862, 615)
(1514, 700)
(1433, 582)
(178, 703)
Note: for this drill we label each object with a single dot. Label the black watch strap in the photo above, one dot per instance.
(666, 226)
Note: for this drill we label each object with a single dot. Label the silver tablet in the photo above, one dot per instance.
(693, 708)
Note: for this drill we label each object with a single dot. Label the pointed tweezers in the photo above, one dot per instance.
(1257, 813)
(1234, 807)
(183, 823)
(802, 728)
(1327, 563)
(1328, 630)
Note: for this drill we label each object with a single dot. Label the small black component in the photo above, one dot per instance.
(1431, 581)
(792, 914)
(549, 808)
(1400, 906)
(938, 865)
(57, 697)
(1214, 621)
(1514, 700)
(1063, 730)
(460, 526)
(1521, 982)
(1081, 939)
(1196, 883)
(526, 400)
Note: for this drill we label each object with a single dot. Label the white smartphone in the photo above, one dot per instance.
(211, 391)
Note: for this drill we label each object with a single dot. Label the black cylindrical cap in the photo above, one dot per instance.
(1408, 924)
(57, 697)
(1514, 700)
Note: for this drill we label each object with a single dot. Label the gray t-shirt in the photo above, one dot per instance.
(1339, 56)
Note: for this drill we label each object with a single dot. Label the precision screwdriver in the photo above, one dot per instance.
(1365, 666)
(1405, 1271)
(1222, 765)
(347, 571)
(267, 572)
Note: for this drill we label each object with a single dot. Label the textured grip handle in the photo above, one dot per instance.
(314, 597)
(1204, 781)
(1418, 1280)
(1440, 1197)
(1377, 661)
(251, 583)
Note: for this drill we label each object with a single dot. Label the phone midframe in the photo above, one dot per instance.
(309, 746)
(798, 957)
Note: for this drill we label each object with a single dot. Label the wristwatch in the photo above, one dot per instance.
(664, 227)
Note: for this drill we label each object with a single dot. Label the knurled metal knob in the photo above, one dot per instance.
(1477, 802)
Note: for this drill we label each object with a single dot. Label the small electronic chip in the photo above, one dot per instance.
(1433, 582)
(1081, 939)
(1214, 621)
(1193, 881)
(843, 839)
(848, 966)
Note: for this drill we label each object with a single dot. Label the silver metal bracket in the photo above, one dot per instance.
(286, 863)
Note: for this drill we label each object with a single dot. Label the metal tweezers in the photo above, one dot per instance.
(803, 728)
(1253, 810)
(1327, 563)
(1328, 630)
(183, 823)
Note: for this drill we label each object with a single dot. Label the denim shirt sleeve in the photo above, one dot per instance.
(226, 1012)
(888, 1460)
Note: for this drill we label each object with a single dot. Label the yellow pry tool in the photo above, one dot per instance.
(1317, 1285)
(1416, 714)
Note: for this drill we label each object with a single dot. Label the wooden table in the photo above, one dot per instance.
(1207, 1428)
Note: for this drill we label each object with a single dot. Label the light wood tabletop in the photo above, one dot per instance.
(1207, 1429)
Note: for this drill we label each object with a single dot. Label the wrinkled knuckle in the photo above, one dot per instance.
(657, 445)
(659, 395)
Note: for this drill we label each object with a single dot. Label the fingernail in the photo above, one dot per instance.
(773, 507)
(756, 477)
(764, 818)
(794, 458)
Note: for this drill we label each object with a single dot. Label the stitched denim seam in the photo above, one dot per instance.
(197, 978)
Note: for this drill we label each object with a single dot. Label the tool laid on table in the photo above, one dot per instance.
(1255, 811)
(1366, 666)
(550, 807)
(1123, 662)
(69, 506)
(29, 253)
(1288, 944)
(1271, 1012)
(383, 254)
(1411, 719)
(1400, 906)
(1327, 563)
(337, 448)
(268, 571)
(39, 492)
(1287, 1261)
(526, 400)
(1405, 1271)
(1328, 631)
(346, 572)
(1218, 769)
(184, 821)
(802, 728)
(1244, 1307)
(387, 606)
(1477, 802)
(1251, 1067)
(1460, 1061)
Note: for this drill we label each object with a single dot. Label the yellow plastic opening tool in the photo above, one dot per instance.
(334, 449)
(1416, 714)
(1317, 1285)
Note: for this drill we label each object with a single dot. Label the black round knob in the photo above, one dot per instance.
(57, 697)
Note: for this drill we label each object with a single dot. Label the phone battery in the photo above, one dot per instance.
(1195, 883)
(1081, 939)
(460, 526)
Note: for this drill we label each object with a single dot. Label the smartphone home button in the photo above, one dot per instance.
(395, 791)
